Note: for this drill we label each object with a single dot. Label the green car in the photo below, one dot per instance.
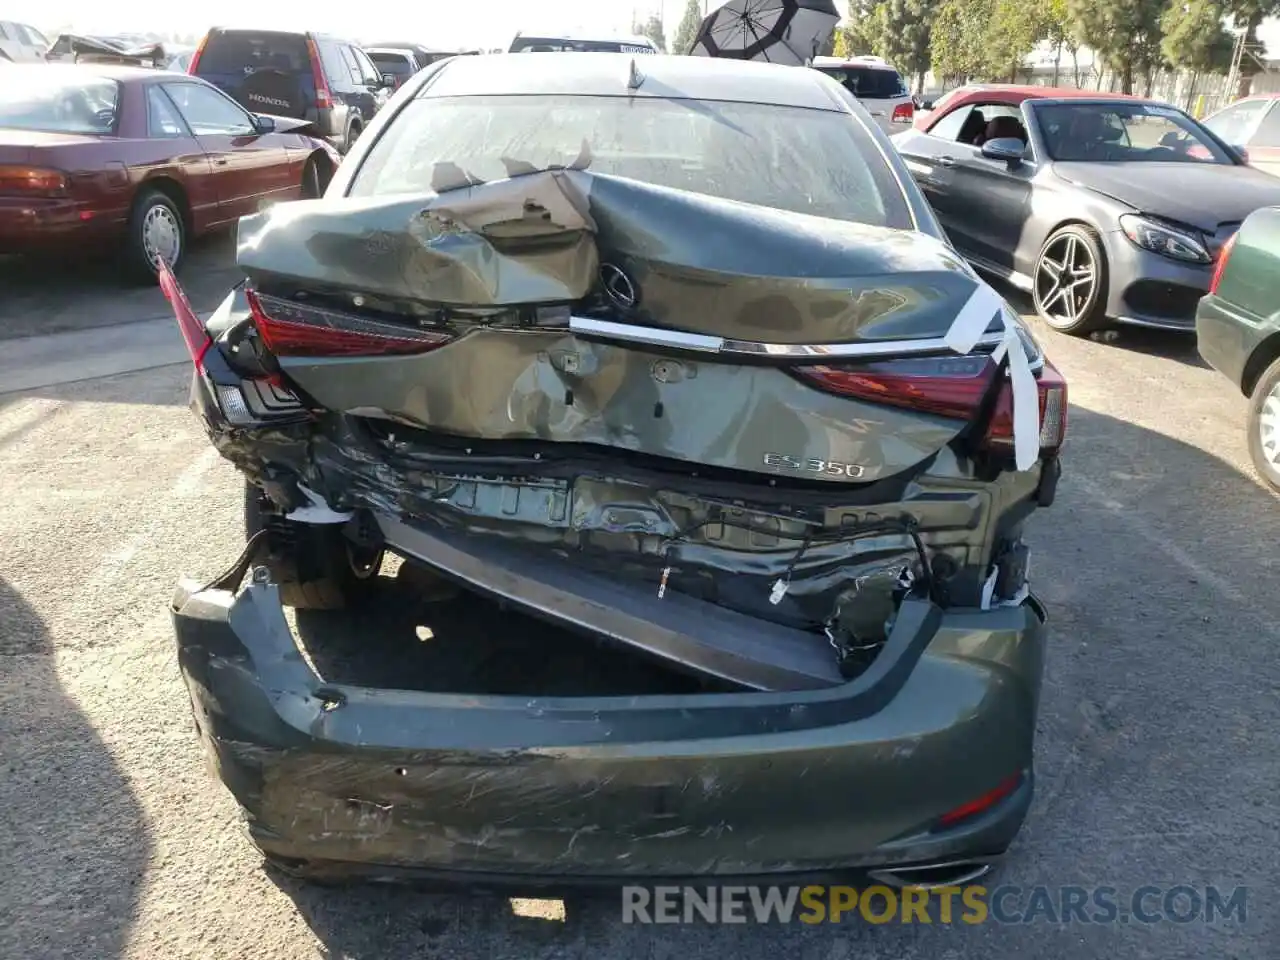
(1238, 325)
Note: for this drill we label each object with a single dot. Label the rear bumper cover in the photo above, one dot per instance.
(561, 791)
(1227, 339)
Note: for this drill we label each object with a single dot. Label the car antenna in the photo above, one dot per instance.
(636, 77)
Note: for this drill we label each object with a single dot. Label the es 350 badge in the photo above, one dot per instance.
(812, 465)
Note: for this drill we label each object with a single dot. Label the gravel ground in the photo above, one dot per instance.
(1156, 748)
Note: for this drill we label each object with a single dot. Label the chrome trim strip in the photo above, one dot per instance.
(657, 337)
(653, 336)
(872, 348)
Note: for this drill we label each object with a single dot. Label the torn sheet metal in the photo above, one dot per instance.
(691, 262)
(525, 240)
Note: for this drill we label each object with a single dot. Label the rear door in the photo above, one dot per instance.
(263, 71)
(249, 168)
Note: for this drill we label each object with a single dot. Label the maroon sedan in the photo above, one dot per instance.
(103, 157)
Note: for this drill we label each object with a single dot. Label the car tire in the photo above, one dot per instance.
(315, 178)
(353, 134)
(1263, 425)
(314, 565)
(1072, 249)
(154, 222)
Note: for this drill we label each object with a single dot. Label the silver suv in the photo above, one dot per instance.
(878, 87)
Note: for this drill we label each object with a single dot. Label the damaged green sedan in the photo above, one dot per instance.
(668, 354)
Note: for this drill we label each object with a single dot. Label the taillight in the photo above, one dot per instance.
(192, 328)
(903, 113)
(1052, 390)
(292, 330)
(1221, 265)
(195, 57)
(24, 181)
(324, 99)
(948, 386)
(967, 811)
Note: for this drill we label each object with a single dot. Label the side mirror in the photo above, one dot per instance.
(264, 124)
(389, 80)
(1008, 150)
(1241, 152)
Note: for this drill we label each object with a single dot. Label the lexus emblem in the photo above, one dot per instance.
(618, 287)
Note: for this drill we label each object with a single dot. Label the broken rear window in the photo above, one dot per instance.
(814, 162)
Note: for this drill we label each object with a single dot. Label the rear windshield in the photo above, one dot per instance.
(397, 63)
(553, 45)
(870, 83)
(807, 161)
(47, 101)
(246, 51)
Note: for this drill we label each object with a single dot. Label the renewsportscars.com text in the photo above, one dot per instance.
(972, 904)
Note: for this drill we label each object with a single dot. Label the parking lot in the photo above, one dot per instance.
(1156, 753)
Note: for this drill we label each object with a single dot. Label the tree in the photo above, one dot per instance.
(904, 35)
(1125, 34)
(688, 29)
(958, 39)
(1247, 16)
(860, 33)
(1194, 39)
(1059, 31)
(653, 29)
(985, 39)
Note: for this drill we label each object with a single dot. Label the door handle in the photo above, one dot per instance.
(946, 161)
(220, 162)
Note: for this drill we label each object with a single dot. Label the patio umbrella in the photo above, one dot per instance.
(776, 31)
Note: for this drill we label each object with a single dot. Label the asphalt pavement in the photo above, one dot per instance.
(1156, 753)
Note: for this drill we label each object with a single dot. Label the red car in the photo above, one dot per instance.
(102, 157)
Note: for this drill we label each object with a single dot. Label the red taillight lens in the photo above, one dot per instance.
(948, 386)
(1052, 389)
(189, 324)
(24, 181)
(903, 113)
(1223, 255)
(195, 57)
(324, 99)
(966, 811)
(292, 330)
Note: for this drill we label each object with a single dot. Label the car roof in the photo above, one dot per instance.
(99, 71)
(1016, 93)
(868, 63)
(598, 36)
(605, 74)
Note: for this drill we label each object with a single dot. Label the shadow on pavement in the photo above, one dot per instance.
(47, 296)
(1155, 749)
(74, 843)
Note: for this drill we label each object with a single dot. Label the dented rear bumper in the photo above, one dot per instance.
(375, 782)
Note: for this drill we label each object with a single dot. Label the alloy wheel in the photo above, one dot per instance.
(1269, 427)
(1066, 277)
(161, 235)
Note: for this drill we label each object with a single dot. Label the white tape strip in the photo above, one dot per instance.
(968, 327)
(317, 511)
